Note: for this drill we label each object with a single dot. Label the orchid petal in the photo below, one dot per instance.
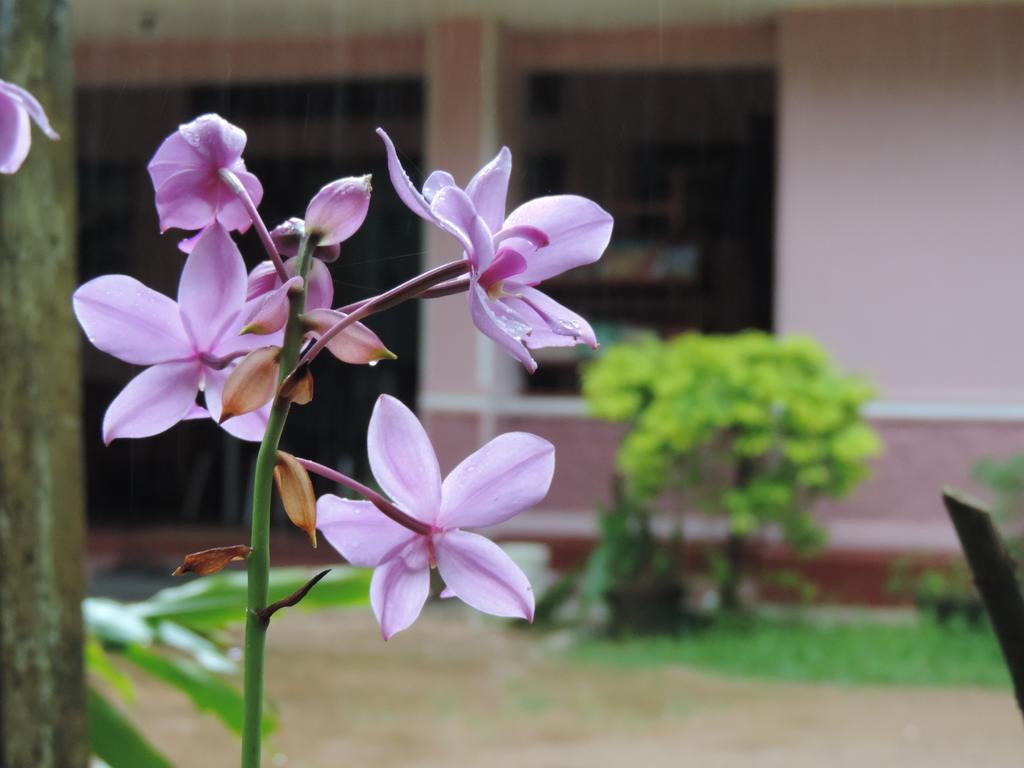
(15, 134)
(541, 336)
(538, 238)
(249, 426)
(489, 188)
(399, 588)
(404, 187)
(31, 105)
(214, 139)
(507, 263)
(262, 279)
(269, 313)
(124, 318)
(338, 210)
(287, 235)
(403, 460)
(358, 530)
(456, 215)
(480, 573)
(578, 229)
(196, 412)
(509, 474)
(356, 344)
(186, 244)
(558, 319)
(152, 402)
(212, 288)
(320, 284)
(187, 200)
(435, 182)
(501, 325)
(231, 213)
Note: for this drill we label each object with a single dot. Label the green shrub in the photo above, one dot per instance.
(749, 426)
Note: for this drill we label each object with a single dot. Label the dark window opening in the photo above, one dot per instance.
(685, 164)
(299, 138)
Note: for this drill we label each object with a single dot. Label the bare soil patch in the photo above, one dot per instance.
(456, 691)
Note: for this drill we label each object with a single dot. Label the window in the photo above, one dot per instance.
(684, 162)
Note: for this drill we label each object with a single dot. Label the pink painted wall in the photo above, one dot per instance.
(901, 196)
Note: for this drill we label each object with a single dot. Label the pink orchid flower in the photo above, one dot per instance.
(16, 107)
(509, 256)
(508, 475)
(188, 344)
(186, 168)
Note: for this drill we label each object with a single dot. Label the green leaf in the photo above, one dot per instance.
(115, 740)
(206, 653)
(115, 623)
(207, 692)
(214, 602)
(98, 663)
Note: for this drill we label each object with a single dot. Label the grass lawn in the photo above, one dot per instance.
(922, 653)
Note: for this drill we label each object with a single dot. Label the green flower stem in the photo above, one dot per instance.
(259, 558)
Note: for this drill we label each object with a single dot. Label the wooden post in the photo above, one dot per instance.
(42, 698)
(995, 575)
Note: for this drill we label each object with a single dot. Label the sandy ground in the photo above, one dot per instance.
(457, 691)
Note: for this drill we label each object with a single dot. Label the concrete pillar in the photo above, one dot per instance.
(462, 373)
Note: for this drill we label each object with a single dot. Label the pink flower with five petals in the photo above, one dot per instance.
(188, 344)
(509, 256)
(508, 475)
(190, 193)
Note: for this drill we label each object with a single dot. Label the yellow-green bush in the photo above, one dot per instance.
(749, 426)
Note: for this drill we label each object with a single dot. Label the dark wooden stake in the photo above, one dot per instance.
(995, 575)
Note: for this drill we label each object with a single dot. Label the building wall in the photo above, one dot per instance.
(899, 225)
(899, 246)
(900, 236)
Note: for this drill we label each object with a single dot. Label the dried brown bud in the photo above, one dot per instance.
(251, 384)
(211, 560)
(296, 492)
(298, 386)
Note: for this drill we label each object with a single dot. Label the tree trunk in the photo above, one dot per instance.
(42, 698)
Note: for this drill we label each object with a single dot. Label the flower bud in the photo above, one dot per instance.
(270, 312)
(339, 209)
(251, 384)
(296, 492)
(356, 344)
(288, 235)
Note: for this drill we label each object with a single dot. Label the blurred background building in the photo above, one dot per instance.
(847, 170)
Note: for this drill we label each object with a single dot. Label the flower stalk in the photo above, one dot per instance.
(381, 503)
(410, 289)
(259, 558)
(235, 185)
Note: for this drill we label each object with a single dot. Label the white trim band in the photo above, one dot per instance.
(844, 533)
(550, 406)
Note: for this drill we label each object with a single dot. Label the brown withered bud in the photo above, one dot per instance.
(298, 386)
(296, 492)
(211, 560)
(252, 383)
